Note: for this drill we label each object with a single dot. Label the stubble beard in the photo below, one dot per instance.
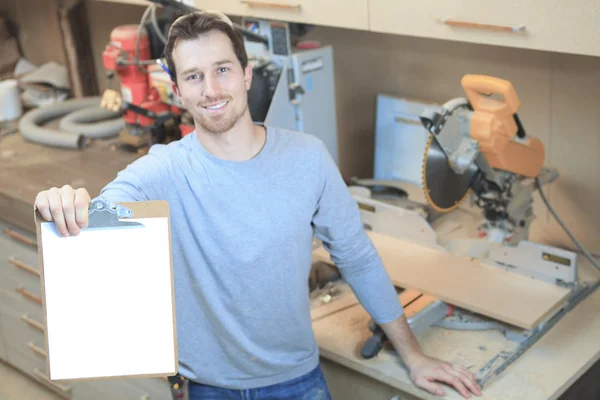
(221, 125)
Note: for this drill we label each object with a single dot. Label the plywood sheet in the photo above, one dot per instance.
(466, 283)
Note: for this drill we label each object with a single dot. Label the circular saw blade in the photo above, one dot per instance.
(444, 189)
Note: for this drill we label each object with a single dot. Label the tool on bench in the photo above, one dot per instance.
(421, 312)
(478, 147)
(486, 153)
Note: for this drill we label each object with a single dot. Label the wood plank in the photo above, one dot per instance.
(466, 283)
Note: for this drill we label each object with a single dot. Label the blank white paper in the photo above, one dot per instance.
(109, 302)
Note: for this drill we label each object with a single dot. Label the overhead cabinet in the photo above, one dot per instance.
(344, 14)
(551, 25)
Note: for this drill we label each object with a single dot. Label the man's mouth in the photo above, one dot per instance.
(216, 106)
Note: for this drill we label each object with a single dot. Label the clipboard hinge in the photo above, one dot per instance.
(103, 214)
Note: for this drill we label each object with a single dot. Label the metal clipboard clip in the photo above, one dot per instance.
(103, 214)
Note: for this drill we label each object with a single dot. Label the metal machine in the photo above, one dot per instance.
(291, 88)
(478, 149)
(151, 110)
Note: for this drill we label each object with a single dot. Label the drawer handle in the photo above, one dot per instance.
(39, 374)
(263, 4)
(37, 349)
(22, 238)
(476, 25)
(20, 264)
(32, 322)
(29, 295)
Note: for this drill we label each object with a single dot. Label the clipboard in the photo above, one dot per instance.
(108, 294)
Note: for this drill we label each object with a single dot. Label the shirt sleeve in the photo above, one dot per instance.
(145, 179)
(338, 225)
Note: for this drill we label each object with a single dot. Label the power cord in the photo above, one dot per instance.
(579, 245)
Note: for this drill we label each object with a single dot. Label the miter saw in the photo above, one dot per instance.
(478, 149)
(489, 156)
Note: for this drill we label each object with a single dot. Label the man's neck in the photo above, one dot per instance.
(242, 142)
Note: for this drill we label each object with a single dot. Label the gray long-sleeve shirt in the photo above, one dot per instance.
(242, 242)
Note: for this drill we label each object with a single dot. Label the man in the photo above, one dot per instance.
(245, 201)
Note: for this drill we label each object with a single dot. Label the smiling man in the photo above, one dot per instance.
(245, 202)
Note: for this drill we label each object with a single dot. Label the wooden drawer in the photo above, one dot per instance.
(21, 324)
(344, 14)
(20, 277)
(2, 346)
(122, 389)
(25, 239)
(26, 360)
(554, 25)
(15, 304)
(64, 391)
(155, 388)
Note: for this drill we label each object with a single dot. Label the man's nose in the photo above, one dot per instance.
(211, 86)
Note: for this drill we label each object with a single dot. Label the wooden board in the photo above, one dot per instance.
(470, 284)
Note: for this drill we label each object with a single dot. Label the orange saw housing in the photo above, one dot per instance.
(493, 126)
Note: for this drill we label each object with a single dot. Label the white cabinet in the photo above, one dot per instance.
(552, 25)
(343, 14)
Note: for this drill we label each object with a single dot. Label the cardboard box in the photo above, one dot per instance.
(9, 50)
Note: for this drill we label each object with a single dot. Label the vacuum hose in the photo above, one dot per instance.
(72, 132)
(94, 122)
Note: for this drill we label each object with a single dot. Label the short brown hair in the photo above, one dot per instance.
(192, 25)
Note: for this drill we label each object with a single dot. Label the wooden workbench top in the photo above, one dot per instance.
(27, 168)
(545, 371)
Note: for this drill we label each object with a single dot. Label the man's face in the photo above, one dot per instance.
(211, 81)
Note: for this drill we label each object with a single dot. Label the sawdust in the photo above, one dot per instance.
(330, 292)
(7, 153)
(471, 349)
(517, 386)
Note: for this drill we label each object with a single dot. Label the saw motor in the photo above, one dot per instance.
(478, 147)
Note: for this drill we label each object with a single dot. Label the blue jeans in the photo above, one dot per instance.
(311, 386)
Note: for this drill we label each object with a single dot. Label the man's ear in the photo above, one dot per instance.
(248, 76)
(176, 91)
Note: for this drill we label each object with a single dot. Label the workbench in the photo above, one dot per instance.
(545, 371)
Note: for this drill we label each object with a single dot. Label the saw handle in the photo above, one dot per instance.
(478, 87)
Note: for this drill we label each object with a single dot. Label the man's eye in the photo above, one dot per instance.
(223, 69)
(194, 76)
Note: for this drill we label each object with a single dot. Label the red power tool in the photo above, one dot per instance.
(152, 112)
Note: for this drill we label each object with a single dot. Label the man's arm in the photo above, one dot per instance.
(144, 179)
(147, 178)
(338, 225)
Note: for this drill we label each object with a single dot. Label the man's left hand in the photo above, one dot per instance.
(425, 371)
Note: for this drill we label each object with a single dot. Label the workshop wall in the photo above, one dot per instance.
(558, 93)
(36, 20)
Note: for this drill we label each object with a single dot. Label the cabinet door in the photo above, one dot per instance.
(2, 346)
(552, 25)
(338, 13)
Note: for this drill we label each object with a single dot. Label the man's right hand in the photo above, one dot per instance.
(67, 207)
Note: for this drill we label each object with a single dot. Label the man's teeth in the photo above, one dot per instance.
(216, 106)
